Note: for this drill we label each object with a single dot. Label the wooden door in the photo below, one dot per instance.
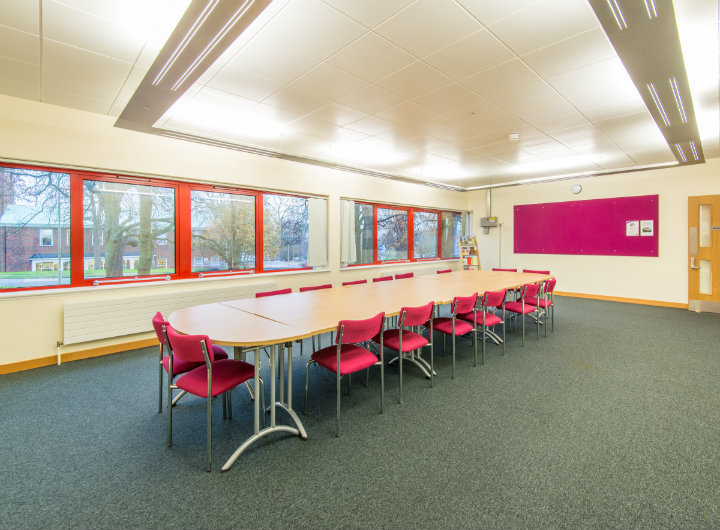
(704, 253)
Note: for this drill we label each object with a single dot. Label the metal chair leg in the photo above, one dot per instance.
(160, 381)
(208, 454)
(307, 369)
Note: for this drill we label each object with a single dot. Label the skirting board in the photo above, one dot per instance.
(658, 303)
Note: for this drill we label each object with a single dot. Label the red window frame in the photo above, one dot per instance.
(411, 234)
(183, 231)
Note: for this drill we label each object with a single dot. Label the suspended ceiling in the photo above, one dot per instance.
(422, 90)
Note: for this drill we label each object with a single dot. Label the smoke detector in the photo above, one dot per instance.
(514, 137)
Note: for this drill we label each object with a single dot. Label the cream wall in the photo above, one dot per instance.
(47, 134)
(659, 279)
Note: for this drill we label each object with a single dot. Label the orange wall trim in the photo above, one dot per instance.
(77, 355)
(658, 303)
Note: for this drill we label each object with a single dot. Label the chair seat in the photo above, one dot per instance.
(411, 340)
(353, 358)
(482, 318)
(517, 307)
(180, 367)
(538, 302)
(226, 374)
(444, 325)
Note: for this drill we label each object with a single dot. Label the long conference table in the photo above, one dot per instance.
(277, 321)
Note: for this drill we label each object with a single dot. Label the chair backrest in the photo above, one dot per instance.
(493, 298)
(356, 282)
(316, 287)
(382, 279)
(536, 272)
(404, 275)
(444, 271)
(416, 316)
(273, 293)
(354, 331)
(530, 290)
(550, 285)
(158, 323)
(189, 347)
(506, 270)
(464, 304)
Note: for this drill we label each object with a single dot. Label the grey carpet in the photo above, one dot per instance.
(612, 421)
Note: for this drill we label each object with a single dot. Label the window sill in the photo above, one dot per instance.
(423, 263)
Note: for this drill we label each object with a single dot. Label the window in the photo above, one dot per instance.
(223, 228)
(451, 230)
(425, 235)
(392, 234)
(161, 240)
(131, 218)
(46, 237)
(34, 207)
(364, 233)
(285, 232)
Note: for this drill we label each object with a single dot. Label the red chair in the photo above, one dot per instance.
(316, 287)
(382, 279)
(521, 307)
(454, 326)
(349, 356)
(485, 318)
(444, 271)
(273, 293)
(404, 275)
(212, 378)
(547, 301)
(406, 341)
(356, 282)
(506, 270)
(536, 272)
(179, 367)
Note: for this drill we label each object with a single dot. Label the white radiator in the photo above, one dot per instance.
(119, 316)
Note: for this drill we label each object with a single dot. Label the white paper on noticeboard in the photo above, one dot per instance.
(632, 228)
(647, 228)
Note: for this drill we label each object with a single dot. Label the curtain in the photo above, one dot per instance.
(317, 233)
(348, 251)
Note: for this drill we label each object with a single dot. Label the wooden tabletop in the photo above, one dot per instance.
(275, 319)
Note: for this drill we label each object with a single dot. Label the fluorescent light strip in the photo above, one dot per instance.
(214, 42)
(694, 150)
(617, 13)
(678, 99)
(184, 42)
(651, 10)
(681, 152)
(658, 104)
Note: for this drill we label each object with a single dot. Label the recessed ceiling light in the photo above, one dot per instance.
(678, 99)
(658, 104)
(651, 9)
(617, 13)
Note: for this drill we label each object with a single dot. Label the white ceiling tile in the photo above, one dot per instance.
(75, 101)
(468, 56)
(371, 57)
(331, 29)
(428, 26)
(274, 60)
(17, 90)
(634, 133)
(296, 101)
(20, 15)
(544, 23)
(551, 114)
(244, 83)
(338, 114)
(371, 99)
(328, 81)
(414, 80)
(369, 12)
(370, 125)
(502, 78)
(447, 98)
(600, 91)
(80, 73)
(18, 72)
(77, 28)
(525, 96)
(489, 12)
(19, 46)
(570, 54)
(484, 116)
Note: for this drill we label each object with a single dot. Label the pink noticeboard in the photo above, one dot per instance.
(623, 226)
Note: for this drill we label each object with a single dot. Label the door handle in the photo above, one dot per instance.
(692, 263)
